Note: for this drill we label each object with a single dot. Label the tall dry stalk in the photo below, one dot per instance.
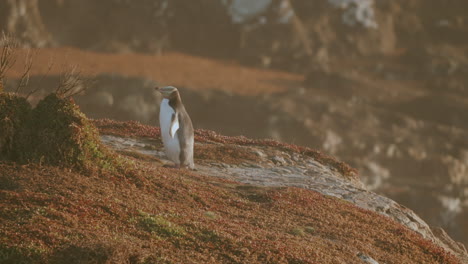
(72, 82)
(34, 90)
(24, 80)
(7, 58)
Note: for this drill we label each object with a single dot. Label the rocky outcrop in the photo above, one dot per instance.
(259, 164)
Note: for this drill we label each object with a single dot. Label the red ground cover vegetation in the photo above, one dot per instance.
(151, 214)
(159, 215)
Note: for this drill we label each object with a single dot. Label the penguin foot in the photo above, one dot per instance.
(190, 168)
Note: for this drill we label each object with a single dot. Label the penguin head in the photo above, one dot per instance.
(167, 91)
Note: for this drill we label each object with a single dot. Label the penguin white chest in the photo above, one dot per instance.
(169, 138)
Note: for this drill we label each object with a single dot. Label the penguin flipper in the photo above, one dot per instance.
(174, 125)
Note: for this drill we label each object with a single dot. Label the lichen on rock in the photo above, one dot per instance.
(13, 112)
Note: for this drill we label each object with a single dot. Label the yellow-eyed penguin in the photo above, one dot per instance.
(176, 128)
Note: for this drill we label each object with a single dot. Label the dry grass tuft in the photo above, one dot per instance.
(72, 82)
(7, 58)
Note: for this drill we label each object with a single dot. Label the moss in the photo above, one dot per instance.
(159, 226)
(302, 231)
(298, 231)
(58, 133)
(13, 112)
(309, 229)
(211, 215)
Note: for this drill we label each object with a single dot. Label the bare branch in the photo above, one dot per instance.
(7, 60)
(49, 68)
(24, 80)
(72, 83)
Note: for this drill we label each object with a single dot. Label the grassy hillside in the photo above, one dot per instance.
(146, 213)
(159, 215)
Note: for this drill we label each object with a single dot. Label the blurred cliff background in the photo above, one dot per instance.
(381, 84)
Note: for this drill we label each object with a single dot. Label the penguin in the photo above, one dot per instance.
(176, 128)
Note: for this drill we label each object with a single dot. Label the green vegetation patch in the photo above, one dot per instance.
(302, 231)
(14, 110)
(298, 231)
(159, 226)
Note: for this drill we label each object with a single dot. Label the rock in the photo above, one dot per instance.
(443, 236)
(279, 160)
(366, 259)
